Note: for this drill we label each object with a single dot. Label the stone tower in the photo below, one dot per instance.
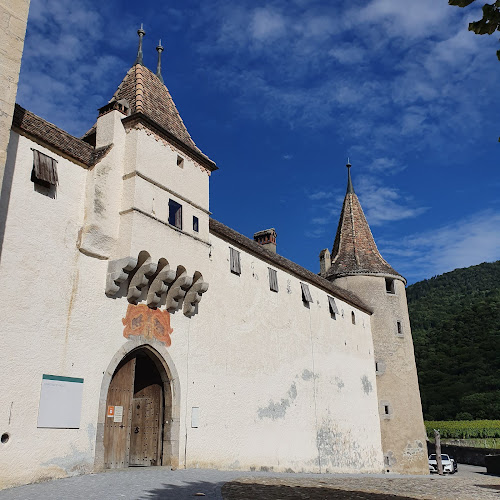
(356, 265)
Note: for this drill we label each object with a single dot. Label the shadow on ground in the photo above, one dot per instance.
(184, 491)
(242, 491)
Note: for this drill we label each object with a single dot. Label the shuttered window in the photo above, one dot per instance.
(306, 294)
(234, 260)
(44, 170)
(175, 214)
(334, 310)
(273, 279)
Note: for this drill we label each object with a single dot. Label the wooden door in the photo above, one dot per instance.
(144, 431)
(116, 428)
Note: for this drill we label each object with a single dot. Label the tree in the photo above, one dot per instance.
(490, 21)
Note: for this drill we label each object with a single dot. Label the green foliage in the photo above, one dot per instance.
(489, 23)
(455, 322)
(464, 429)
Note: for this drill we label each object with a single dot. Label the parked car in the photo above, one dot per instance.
(449, 464)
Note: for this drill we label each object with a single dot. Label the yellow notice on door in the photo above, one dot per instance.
(118, 414)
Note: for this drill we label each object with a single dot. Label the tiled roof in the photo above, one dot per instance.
(272, 258)
(354, 250)
(49, 134)
(148, 96)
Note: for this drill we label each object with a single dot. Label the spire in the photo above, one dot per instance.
(350, 189)
(354, 250)
(159, 48)
(141, 33)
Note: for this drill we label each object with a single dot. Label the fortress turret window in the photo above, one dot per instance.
(389, 286)
(196, 224)
(399, 328)
(353, 318)
(175, 214)
(180, 161)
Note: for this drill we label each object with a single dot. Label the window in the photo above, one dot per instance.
(180, 161)
(306, 294)
(334, 310)
(196, 227)
(234, 261)
(175, 214)
(44, 170)
(273, 280)
(399, 328)
(379, 367)
(386, 410)
(389, 285)
(353, 318)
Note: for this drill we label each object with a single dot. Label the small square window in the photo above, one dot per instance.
(195, 224)
(175, 214)
(180, 161)
(306, 294)
(234, 261)
(389, 285)
(273, 280)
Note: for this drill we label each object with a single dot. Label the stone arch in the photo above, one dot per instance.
(165, 365)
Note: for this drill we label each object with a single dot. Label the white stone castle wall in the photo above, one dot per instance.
(278, 385)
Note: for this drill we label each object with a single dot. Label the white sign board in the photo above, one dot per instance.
(60, 402)
(118, 416)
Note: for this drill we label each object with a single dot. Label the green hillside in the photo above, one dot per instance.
(455, 320)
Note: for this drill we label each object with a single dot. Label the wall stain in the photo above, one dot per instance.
(340, 383)
(275, 410)
(308, 375)
(367, 385)
(340, 449)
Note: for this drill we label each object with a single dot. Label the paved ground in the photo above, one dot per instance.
(471, 483)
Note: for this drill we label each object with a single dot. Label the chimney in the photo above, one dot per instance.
(267, 239)
(325, 261)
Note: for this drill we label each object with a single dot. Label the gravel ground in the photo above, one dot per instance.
(471, 483)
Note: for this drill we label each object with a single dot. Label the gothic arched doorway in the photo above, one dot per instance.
(137, 429)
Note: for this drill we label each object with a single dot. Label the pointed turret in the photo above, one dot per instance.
(143, 96)
(354, 250)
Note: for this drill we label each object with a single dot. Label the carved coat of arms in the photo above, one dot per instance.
(150, 323)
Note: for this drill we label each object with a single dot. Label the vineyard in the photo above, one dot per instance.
(464, 429)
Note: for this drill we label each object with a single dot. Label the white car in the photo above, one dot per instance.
(449, 464)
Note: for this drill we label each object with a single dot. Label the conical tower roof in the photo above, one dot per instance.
(354, 250)
(148, 97)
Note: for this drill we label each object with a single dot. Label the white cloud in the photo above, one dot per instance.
(382, 203)
(267, 24)
(463, 243)
(348, 53)
(320, 195)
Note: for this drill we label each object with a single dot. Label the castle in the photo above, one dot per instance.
(151, 334)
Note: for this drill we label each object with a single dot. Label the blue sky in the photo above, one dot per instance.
(280, 93)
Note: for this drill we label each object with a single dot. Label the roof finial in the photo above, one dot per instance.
(158, 66)
(350, 189)
(141, 33)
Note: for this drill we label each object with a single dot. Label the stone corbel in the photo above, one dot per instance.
(177, 291)
(193, 296)
(160, 284)
(118, 272)
(140, 280)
